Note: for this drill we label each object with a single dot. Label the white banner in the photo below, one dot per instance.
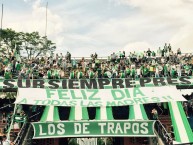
(98, 97)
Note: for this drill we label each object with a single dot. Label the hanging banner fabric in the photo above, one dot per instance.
(118, 128)
(97, 97)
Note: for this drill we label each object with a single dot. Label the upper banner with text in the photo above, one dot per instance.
(114, 83)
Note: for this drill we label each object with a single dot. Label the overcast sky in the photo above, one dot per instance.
(105, 26)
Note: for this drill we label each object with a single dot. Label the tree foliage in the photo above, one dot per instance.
(32, 43)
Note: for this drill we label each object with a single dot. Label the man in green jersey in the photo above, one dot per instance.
(146, 72)
(133, 73)
(79, 74)
(7, 75)
(90, 73)
(173, 72)
(72, 75)
(49, 74)
(122, 74)
(127, 71)
(18, 67)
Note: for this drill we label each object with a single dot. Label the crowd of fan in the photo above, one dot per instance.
(161, 63)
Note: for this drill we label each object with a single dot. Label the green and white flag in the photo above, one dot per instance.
(182, 130)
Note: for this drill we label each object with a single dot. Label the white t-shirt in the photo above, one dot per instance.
(157, 69)
(6, 142)
(178, 67)
(138, 71)
(162, 60)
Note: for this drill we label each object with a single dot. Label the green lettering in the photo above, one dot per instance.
(50, 93)
(90, 104)
(137, 91)
(98, 103)
(145, 99)
(63, 103)
(128, 102)
(55, 103)
(120, 103)
(72, 103)
(23, 101)
(112, 103)
(63, 94)
(74, 95)
(117, 94)
(127, 93)
(84, 94)
(138, 100)
(37, 102)
(46, 102)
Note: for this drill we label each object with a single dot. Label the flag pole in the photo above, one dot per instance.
(46, 18)
(46, 25)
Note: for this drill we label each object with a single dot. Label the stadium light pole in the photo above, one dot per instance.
(46, 18)
(1, 24)
(46, 25)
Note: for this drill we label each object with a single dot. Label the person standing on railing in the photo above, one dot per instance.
(155, 114)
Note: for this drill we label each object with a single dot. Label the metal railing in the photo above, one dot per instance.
(5, 106)
(28, 137)
(21, 135)
(163, 134)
